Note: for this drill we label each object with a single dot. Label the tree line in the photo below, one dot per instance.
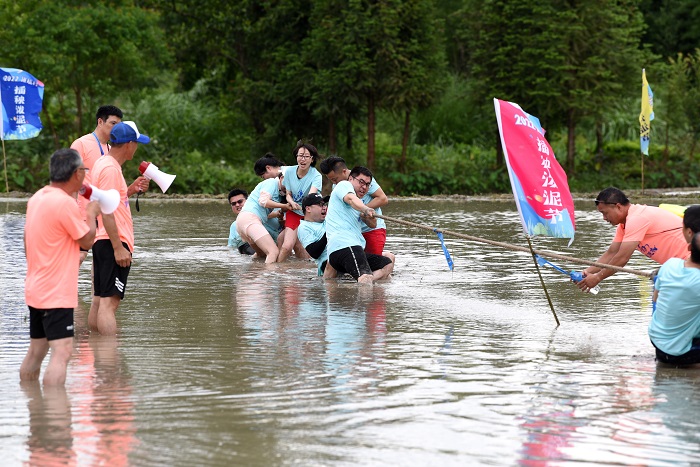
(405, 87)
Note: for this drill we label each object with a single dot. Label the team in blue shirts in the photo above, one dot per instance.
(340, 232)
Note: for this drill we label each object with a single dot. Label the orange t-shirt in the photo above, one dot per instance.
(659, 233)
(90, 149)
(53, 224)
(107, 175)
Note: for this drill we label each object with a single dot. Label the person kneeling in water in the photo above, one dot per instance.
(674, 329)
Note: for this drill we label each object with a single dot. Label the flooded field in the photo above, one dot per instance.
(224, 361)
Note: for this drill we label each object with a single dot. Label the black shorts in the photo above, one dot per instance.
(110, 278)
(691, 357)
(354, 261)
(246, 249)
(50, 324)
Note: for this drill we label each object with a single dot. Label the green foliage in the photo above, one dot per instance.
(27, 174)
(84, 52)
(254, 77)
(439, 169)
(454, 117)
(180, 123)
(197, 174)
(673, 26)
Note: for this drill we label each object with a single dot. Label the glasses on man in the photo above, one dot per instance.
(362, 182)
(237, 203)
(303, 156)
(84, 169)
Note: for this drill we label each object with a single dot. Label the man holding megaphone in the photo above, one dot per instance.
(54, 232)
(114, 242)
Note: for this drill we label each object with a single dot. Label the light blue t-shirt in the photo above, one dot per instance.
(310, 232)
(234, 239)
(343, 223)
(676, 321)
(299, 188)
(271, 186)
(374, 186)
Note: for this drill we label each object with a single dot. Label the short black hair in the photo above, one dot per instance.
(691, 218)
(310, 147)
(262, 163)
(359, 170)
(612, 195)
(332, 164)
(106, 110)
(236, 192)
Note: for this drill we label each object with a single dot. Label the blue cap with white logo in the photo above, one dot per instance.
(124, 132)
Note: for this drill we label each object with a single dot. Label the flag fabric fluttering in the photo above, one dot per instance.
(450, 264)
(539, 183)
(646, 115)
(21, 96)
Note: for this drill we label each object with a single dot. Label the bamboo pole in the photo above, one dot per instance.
(544, 253)
(544, 287)
(4, 164)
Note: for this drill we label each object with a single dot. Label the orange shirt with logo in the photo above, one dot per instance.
(51, 230)
(659, 233)
(107, 175)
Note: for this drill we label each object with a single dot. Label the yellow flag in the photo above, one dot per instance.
(646, 115)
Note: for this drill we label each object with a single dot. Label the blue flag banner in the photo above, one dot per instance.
(21, 96)
(444, 250)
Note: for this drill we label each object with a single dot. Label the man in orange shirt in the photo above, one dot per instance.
(94, 145)
(54, 232)
(655, 232)
(114, 242)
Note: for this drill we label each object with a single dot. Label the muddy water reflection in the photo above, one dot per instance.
(223, 361)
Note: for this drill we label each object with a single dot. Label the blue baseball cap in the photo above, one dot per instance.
(124, 132)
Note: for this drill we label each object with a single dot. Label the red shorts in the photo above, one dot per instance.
(375, 241)
(292, 219)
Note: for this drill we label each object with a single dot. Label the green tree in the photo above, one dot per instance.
(86, 53)
(603, 61)
(683, 107)
(421, 66)
(517, 54)
(373, 55)
(560, 60)
(251, 57)
(673, 26)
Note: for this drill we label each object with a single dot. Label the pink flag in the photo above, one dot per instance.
(539, 183)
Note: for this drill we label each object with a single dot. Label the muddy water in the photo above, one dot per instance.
(224, 361)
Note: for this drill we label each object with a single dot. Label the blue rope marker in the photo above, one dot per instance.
(574, 275)
(444, 249)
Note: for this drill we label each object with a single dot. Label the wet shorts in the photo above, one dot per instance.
(292, 220)
(110, 278)
(691, 357)
(50, 324)
(375, 241)
(249, 227)
(354, 261)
